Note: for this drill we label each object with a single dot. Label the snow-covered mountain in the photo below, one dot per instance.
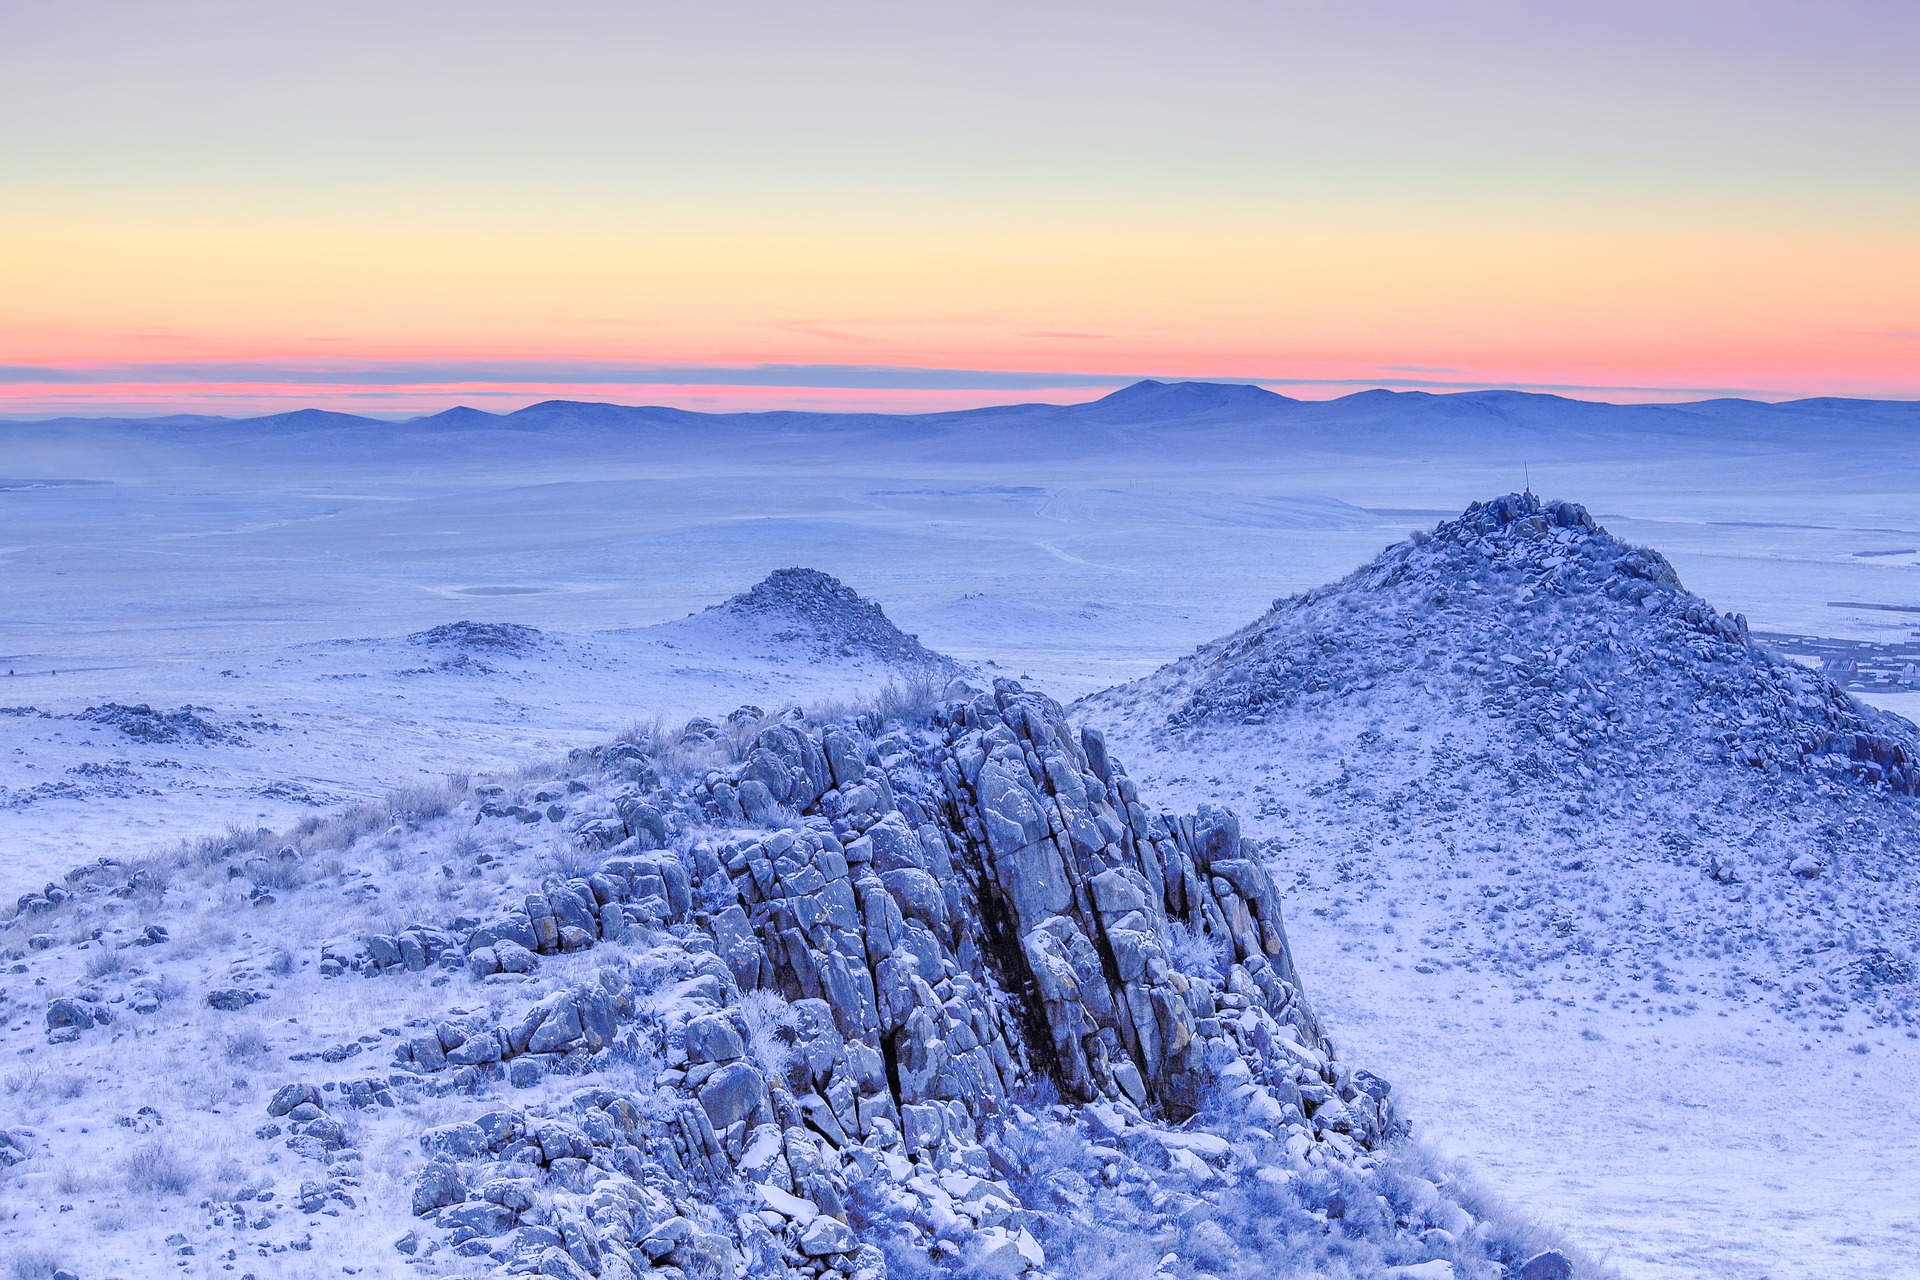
(938, 995)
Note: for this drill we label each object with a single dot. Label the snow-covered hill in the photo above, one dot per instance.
(807, 616)
(267, 737)
(1556, 834)
(1619, 788)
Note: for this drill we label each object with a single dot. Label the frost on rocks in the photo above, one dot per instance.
(958, 1001)
(1580, 637)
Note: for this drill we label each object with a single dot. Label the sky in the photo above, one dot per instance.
(240, 206)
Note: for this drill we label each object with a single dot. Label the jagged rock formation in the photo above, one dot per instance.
(949, 923)
(144, 724)
(868, 999)
(1528, 737)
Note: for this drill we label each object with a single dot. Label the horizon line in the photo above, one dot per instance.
(258, 380)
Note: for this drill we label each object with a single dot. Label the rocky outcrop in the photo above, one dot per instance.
(1079, 885)
(854, 1020)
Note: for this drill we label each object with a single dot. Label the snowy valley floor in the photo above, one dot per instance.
(1676, 1147)
(1727, 1142)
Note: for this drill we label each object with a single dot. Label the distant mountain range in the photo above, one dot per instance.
(1144, 402)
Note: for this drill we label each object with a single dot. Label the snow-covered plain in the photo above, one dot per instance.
(270, 576)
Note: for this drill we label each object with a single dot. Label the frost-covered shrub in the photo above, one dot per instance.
(911, 700)
(156, 1167)
(770, 1028)
(1035, 1094)
(32, 1264)
(245, 1044)
(1196, 951)
(413, 805)
(107, 964)
(569, 859)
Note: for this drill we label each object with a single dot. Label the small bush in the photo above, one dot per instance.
(33, 1264)
(421, 804)
(107, 963)
(1196, 952)
(769, 1022)
(572, 860)
(911, 701)
(1035, 1094)
(157, 1168)
(246, 1044)
(26, 1082)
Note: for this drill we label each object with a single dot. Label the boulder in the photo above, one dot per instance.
(757, 803)
(233, 999)
(439, 1185)
(66, 1013)
(461, 1141)
(471, 1219)
(475, 1050)
(713, 1039)
(515, 1194)
(666, 1237)
(824, 1237)
(919, 895)
(843, 758)
(805, 766)
(515, 958)
(1550, 1265)
(734, 1093)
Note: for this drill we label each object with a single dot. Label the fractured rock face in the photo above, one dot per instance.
(1066, 862)
(865, 1005)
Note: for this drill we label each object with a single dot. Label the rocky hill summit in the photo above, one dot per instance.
(1591, 644)
(810, 610)
(481, 637)
(847, 997)
(1622, 785)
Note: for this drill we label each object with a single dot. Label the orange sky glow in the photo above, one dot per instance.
(1617, 208)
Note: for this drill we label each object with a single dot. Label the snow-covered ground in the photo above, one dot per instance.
(271, 576)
